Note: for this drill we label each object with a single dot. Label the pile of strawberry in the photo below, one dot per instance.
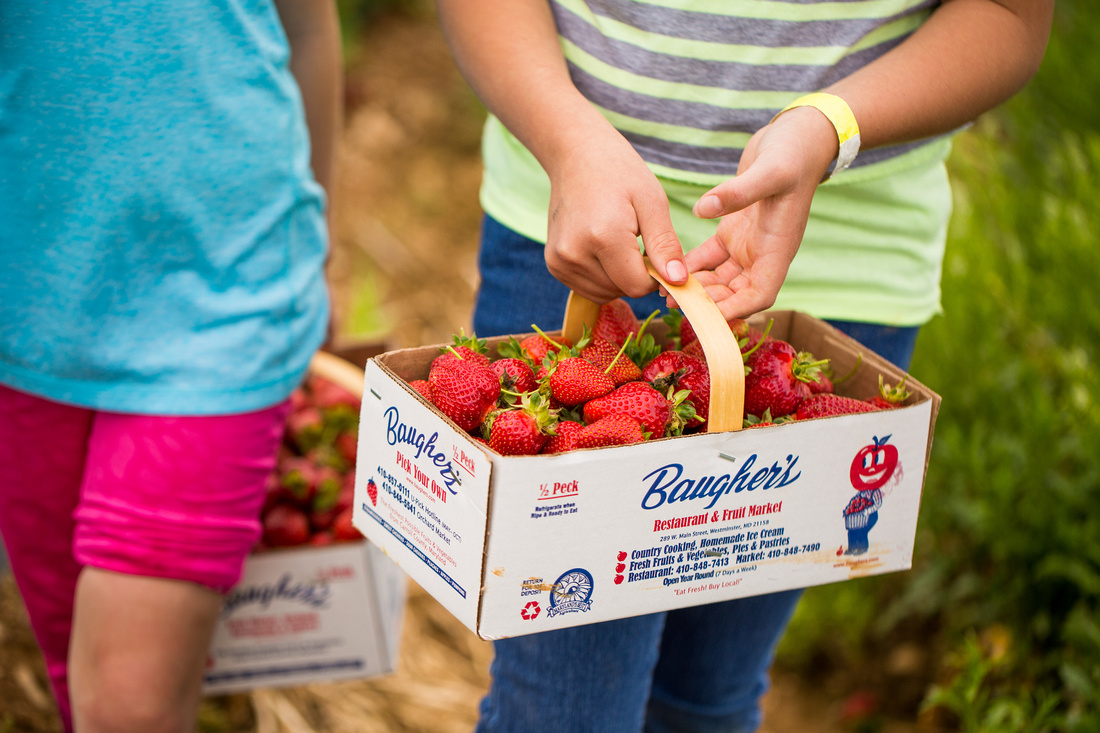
(310, 493)
(858, 503)
(618, 386)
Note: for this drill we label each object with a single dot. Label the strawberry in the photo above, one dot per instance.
(300, 399)
(285, 526)
(322, 505)
(326, 394)
(617, 429)
(616, 322)
(824, 383)
(521, 431)
(515, 375)
(468, 348)
(831, 405)
(535, 347)
(564, 438)
(574, 381)
(778, 378)
(889, 397)
(638, 400)
(423, 388)
(464, 391)
(305, 427)
(676, 370)
(347, 445)
(343, 529)
(372, 491)
(695, 351)
(298, 478)
(321, 538)
(681, 328)
(612, 360)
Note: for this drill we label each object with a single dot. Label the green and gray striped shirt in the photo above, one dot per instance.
(688, 82)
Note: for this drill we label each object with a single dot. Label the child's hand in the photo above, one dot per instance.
(603, 197)
(764, 211)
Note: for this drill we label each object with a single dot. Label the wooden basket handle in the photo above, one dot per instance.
(727, 368)
(342, 373)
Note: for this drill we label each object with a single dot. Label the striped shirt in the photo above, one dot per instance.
(687, 82)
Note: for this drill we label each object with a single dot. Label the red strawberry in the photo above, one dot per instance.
(467, 348)
(638, 400)
(616, 322)
(322, 506)
(343, 529)
(516, 433)
(680, 326)
(823, 384)
(299, 399)
(778, 378)
(695, 351)
(522, 431)
(305, 427)
(574, 381)
(347, 444)
(327, 394)
(612, 360)
(285, 526)
(564, 438)
(423, 388)
(830, 405)
(889, 397)
(298, 478)
(763, 421)
(535, 347)
(321, 538)
(676, 370)
(615, 429)
(464, 391)
(515, 375)
(372, 491)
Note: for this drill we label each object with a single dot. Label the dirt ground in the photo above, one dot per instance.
(405, 225)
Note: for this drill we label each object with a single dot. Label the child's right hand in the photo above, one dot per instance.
(602, 198)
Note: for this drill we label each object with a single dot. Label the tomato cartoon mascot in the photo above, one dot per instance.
(872, 467)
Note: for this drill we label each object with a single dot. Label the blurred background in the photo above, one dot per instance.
(996, 627)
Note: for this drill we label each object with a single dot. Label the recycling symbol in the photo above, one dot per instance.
(530, 611)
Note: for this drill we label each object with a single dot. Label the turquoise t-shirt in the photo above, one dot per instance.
(162, 241)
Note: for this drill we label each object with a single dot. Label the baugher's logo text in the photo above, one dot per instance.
(398, 432)
(306, 592)
(668, 484)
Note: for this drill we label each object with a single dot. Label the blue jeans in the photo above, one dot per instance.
(693, 670)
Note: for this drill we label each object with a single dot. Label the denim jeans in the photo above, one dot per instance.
(694, 670)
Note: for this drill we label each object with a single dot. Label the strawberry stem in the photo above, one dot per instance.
(622, 349)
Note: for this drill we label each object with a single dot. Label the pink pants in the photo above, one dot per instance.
(167, 497)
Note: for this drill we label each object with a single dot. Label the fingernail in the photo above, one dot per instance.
(707, 207)
(676, 271)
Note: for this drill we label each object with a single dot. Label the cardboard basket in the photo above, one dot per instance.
(310, 614)
(514, 545)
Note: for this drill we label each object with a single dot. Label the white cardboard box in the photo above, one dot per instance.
(308, 614)
(522, 544)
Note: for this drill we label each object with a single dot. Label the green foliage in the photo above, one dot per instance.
(970, 698)
(1009, 532)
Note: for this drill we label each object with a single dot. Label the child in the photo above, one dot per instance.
(162, 267)
(713, 124)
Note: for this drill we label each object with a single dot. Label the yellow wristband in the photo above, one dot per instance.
(840, 114)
